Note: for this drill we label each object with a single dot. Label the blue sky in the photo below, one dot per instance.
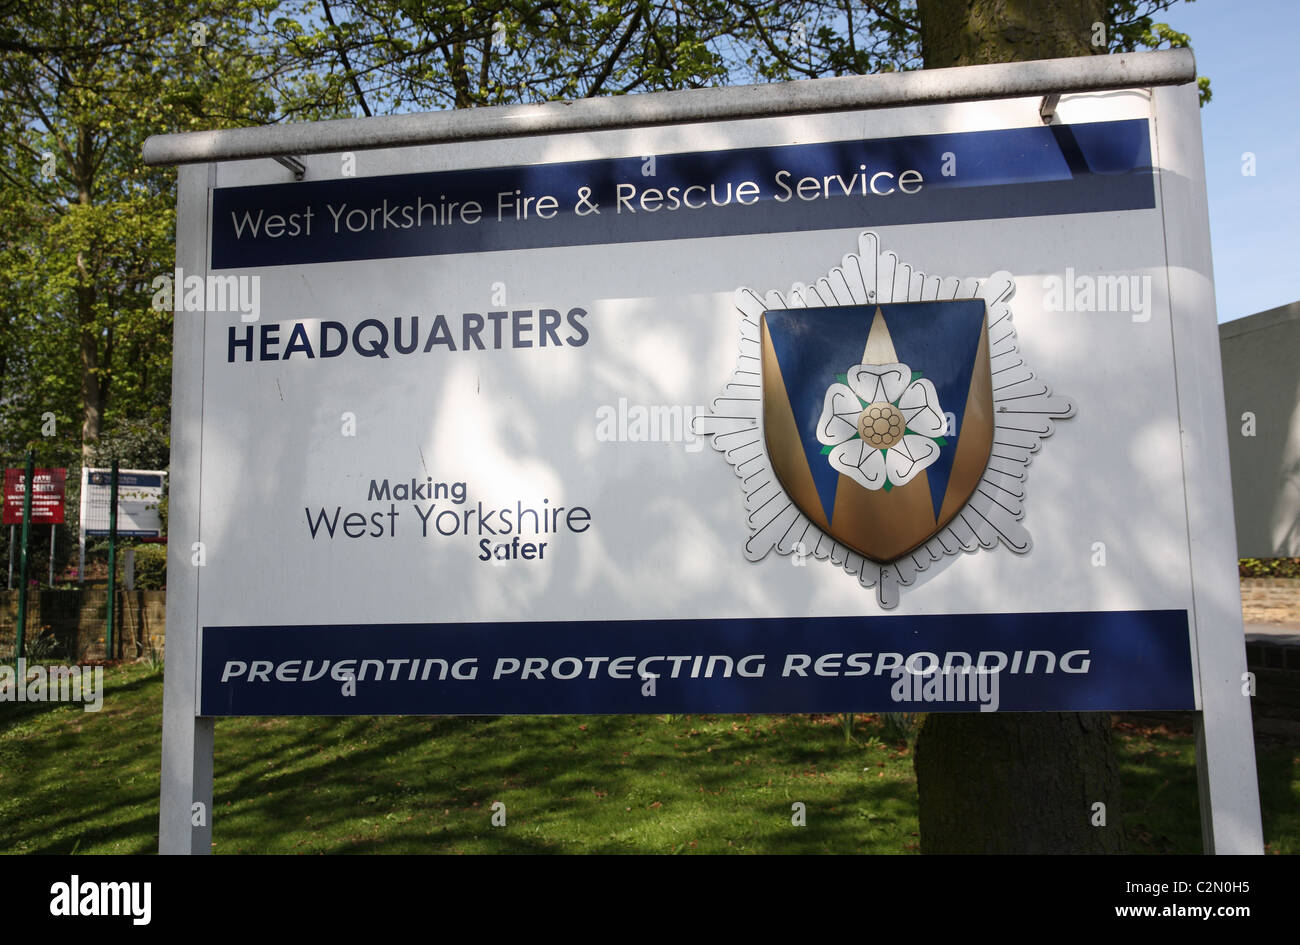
(1250, 51)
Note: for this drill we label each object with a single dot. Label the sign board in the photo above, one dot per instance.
(139, 494)
(48, 487)
(547, 420)
(906, 409)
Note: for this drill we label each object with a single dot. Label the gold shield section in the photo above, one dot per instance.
(881, 525)
(880, 346)
(784, 447)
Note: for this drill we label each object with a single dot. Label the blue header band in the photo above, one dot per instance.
(1055, 169)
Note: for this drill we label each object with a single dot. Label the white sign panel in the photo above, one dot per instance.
(788, 415)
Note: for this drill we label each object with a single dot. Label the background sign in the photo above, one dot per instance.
(475, 384)
(139, 494)
(48, 492)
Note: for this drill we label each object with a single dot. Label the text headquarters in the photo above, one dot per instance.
(403, 335)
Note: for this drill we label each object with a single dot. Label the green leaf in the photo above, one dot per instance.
(826, 450)
(842, 378)
(889, 486)
(941, 441)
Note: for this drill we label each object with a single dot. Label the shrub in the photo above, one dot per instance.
(151, 567)
(1269, 567)
(46, 647)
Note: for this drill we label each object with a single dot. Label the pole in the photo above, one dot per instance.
(10, 585)
(81, 531)
(112, 560)
(185, 782)
(22, 555)
(52, 537)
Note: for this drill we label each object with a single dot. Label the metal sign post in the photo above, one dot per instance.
(29, 487)
(112, 562)
(81, 529)
(795, 398)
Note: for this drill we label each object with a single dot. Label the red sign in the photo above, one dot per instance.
(47, 496)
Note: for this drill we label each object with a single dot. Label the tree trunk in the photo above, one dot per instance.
(95, 370)
(1018, 783)
(972, 32)
(92, 388)
(1014, 782)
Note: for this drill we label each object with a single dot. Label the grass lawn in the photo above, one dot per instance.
(74, 780)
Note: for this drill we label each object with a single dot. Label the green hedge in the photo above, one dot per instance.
(1269, 567)
(150, 567)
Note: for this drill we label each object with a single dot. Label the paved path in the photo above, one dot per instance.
(1287, 634)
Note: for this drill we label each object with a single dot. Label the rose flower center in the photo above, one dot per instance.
(881, 425)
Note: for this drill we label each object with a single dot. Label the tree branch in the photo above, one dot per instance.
(343, 55)
(891, 18)
(594, 88)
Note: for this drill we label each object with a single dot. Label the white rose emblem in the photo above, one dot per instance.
(881, 425)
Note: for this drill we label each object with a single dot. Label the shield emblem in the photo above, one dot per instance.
(878, 418)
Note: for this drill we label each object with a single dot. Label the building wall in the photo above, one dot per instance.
(1261, 378)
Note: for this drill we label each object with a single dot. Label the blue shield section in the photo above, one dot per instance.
(813, 345)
